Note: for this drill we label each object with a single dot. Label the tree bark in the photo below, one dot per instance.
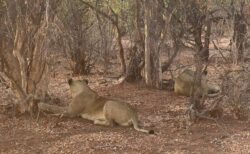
(135, 66)
(239, 37)
(205, 54)
(121, 50)
(153, 29)
(136, 62)
(25, 55)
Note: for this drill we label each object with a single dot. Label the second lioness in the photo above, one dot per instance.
(89, 105)
(185, 82)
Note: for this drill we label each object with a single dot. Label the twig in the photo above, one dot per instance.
(217, 48)
(38, 115)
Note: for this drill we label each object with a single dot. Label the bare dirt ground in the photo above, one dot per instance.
(162, 111)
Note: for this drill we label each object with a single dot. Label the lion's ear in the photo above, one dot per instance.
(204, 72)
(70, 81)
(86, 81)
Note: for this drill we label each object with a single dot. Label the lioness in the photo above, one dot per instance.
(184, 84)
(89, 105)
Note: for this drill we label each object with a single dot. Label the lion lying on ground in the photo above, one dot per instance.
(184, 84)
(89, 105)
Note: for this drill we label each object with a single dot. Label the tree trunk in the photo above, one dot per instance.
(104, 42)
(26, 66)
(176, 32)
(135, 66)
(239, 37)
(153, 28)
(121, 50)
(136, 62)
(199, 61)
(205, 53)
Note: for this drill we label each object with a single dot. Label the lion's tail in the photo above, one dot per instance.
(52, 108)
(136, 127)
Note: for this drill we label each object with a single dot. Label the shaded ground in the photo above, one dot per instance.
(162, 111)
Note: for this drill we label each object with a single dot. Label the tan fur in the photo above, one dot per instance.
(184, 84)
(103, 111)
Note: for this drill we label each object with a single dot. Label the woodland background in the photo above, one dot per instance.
(130, 50)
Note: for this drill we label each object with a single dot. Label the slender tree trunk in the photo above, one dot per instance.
(140, 39)
(239, 37)
(136, 62)
(153, 28)
(205, 54)
(196, 17)
(135, 65)
(121, 50)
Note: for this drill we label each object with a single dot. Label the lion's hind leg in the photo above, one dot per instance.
(104, 122)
